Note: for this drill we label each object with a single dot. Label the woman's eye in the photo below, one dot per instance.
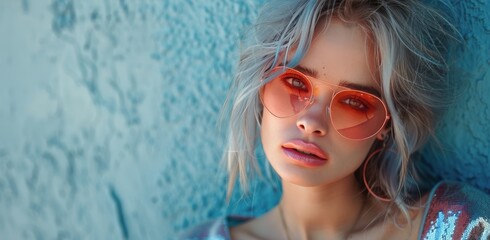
(355, 103)
(297, 84)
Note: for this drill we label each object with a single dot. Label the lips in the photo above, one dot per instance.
(307, 153)
(305, 147)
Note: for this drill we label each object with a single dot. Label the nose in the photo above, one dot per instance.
(313, 120)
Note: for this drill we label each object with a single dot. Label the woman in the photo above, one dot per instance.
(343, 93)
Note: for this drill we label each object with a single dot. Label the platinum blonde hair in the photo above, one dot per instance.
(409, 45)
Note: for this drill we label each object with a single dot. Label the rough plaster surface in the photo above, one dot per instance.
(465, 130)
(108, 114)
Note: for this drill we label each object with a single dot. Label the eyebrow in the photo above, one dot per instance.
(307, 71)
(360, 87)
(344, 83)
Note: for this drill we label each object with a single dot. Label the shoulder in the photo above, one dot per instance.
(456, 211)
(216, 229)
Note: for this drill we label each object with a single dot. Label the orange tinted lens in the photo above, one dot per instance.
(356, 114)
(286, 95)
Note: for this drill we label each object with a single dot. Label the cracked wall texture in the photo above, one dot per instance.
(108, 115)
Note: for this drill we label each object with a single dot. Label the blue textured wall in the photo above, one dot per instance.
(465, 130)
(108, 115)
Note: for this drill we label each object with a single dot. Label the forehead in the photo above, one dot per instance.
(341, 52)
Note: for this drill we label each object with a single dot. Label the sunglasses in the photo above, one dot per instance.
(354, 114)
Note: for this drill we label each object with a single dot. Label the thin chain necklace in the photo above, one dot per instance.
(284, 225)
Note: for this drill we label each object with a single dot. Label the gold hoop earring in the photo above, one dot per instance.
(365, 180)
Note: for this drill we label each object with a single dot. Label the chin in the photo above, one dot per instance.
(303, 179)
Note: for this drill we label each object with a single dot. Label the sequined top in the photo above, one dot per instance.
(455, 211)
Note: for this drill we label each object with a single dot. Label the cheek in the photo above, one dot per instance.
(354, 152)
(268, 129)
(274, 131)
(269, 137)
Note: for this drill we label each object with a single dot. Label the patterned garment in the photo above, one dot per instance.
(455, 211)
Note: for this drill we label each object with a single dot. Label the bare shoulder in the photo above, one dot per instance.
(258, 228)
(408, 230)
(394, 227)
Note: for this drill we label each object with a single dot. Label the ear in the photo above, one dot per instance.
(382, 134)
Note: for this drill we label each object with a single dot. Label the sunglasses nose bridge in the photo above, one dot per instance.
(323, 95)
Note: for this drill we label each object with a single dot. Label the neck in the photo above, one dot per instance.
(324, 212)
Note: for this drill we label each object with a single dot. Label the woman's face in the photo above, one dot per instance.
(338, 55)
